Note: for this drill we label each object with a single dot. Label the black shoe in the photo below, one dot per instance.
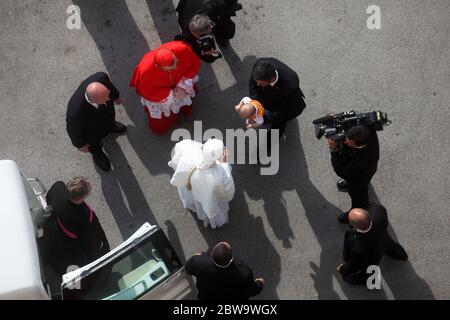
(342, 184)
(102, 161)
(343, 218)
(117, 127)
(359, 278)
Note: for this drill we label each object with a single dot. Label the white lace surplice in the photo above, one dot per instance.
(171, 103)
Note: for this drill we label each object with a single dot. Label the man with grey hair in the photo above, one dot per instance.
(73, 234)
(199, 34)
(219, 11)
(366, 243)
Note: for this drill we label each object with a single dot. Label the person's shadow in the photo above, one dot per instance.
(400, 277)
(164, 19)
(122, 181)
(176, 242)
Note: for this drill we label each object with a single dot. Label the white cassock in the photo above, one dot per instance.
(212, 185)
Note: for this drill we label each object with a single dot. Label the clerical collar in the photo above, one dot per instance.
(276, 79)
(225, 266)
(365, 231)
(91, 103)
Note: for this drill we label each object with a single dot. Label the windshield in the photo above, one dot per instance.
(131, 274)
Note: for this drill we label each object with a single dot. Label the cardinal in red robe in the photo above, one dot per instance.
(165, 79)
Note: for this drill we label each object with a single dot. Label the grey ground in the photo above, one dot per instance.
(284, 226)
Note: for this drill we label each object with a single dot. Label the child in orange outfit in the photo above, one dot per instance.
(252, 111)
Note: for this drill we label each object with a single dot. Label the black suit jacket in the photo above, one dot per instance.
(85, 123)
(364, 249)
(351, 163)
(236, 282)
(186, 10)
(219, 12)
(285, 99)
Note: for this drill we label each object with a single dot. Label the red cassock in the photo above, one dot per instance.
(154, 84)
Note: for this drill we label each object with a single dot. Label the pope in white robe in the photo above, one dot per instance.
(203, 178)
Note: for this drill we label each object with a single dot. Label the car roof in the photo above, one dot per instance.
(20, 275)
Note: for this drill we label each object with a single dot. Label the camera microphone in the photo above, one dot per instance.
(327, 118)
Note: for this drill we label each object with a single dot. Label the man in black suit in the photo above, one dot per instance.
(200, 37)
(200, 20)
(355, 160)
(91, 116)
(219, 11)
(277, 87)
(366, 243)
(220, 276)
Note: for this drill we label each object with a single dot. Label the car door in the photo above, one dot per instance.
(143, 267)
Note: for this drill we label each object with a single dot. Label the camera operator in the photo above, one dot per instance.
(219, 11)
(201, 39)
(355, 160)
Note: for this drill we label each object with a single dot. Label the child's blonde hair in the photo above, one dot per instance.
(247, 110)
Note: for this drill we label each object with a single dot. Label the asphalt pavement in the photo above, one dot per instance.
(284, 226)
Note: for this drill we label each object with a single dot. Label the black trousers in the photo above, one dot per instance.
(278, 120)
(389, 247)
(359, 277)
(96, 147)
(358, 189)
(277, 124)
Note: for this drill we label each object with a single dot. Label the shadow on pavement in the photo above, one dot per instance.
(175, 240)
(122, 45)
(400, 277)
(164, 19)
(122, 192)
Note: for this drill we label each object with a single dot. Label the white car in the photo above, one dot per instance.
(145, 266)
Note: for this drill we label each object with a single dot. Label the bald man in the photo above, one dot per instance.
(91, 116)
(366, 243)
(221, 276)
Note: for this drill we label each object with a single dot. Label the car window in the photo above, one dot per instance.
(131, 274)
